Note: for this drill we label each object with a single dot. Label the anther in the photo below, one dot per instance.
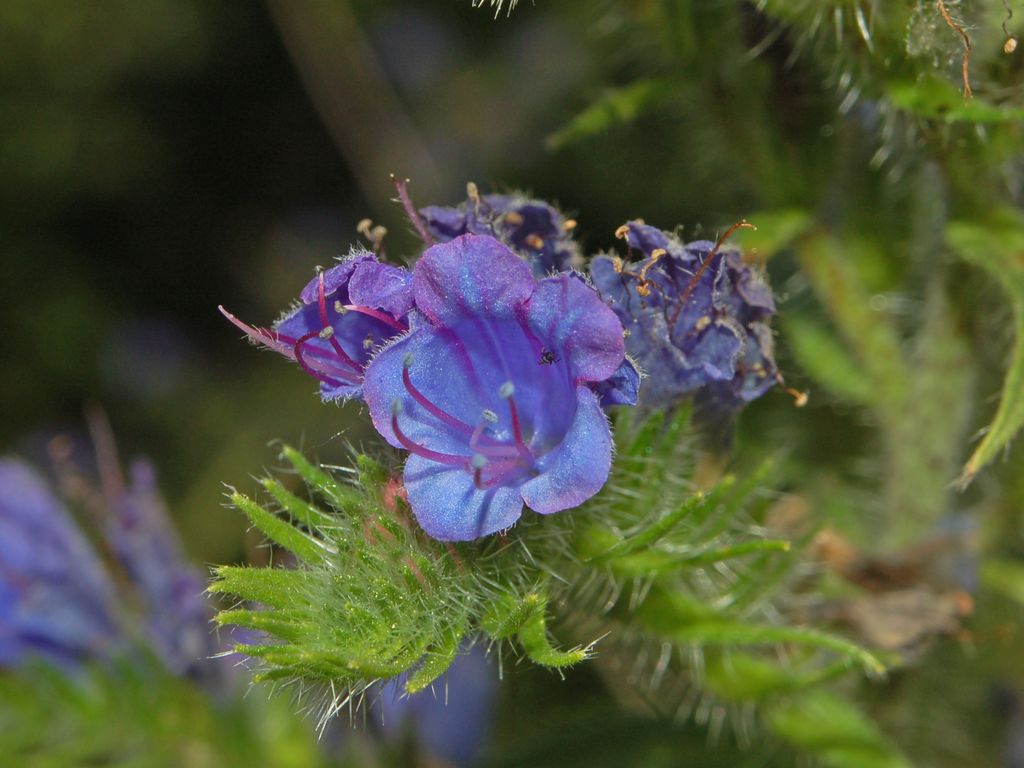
(513, 218)
(376, 314)
(327, 332)
(506, 392)
(535, 241)
(622, 232)
(569, 225)
(799, 398)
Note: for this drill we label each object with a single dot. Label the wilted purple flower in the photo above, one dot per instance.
(534, 229)
(56, 600)
(346, 313)
(696, 315)
(450, 723)
(492, 392)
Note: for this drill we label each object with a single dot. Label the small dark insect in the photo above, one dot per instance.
(547, 357)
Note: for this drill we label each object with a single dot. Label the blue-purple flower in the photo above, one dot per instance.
(56, 600)
(452, 723)
(146, 547)
(534, 229)
(696, 315)
(346, 313)
(59, 600)
(492, 390)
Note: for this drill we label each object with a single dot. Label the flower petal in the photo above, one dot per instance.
(428, 352)
(449, 507)
(382, 286)
(472, 274)
(336, 278)
(621, 388)
(578, 468)
(569, 316)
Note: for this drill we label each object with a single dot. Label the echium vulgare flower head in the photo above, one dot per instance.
(345, 313)
(696, 315)
(56, 600)
(492, 390)
(147, 549)
(535, 230)
(59, 600)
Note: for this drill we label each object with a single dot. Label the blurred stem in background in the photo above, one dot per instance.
(358, 104)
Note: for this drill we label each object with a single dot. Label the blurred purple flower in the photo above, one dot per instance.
(141, 538)
(492, 391)
(346, 313)
(534, 229)
(697, 319)
(451, 722)
(56, 600)
(60, 600)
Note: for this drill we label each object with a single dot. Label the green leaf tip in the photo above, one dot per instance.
(279, 531)
(998, 249)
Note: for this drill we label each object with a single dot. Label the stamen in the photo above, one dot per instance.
(692, 285)
(799, 398)
(301, 360)
(506, 468)
(351, 376)
(434, 410)
(325, 321)
(493, 451)
(421, 450)
(506, 392)
(402, 187)
(478, 463)
(376, 314)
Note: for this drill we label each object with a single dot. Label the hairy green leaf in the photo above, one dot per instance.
(279, 531)
(998, 249)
